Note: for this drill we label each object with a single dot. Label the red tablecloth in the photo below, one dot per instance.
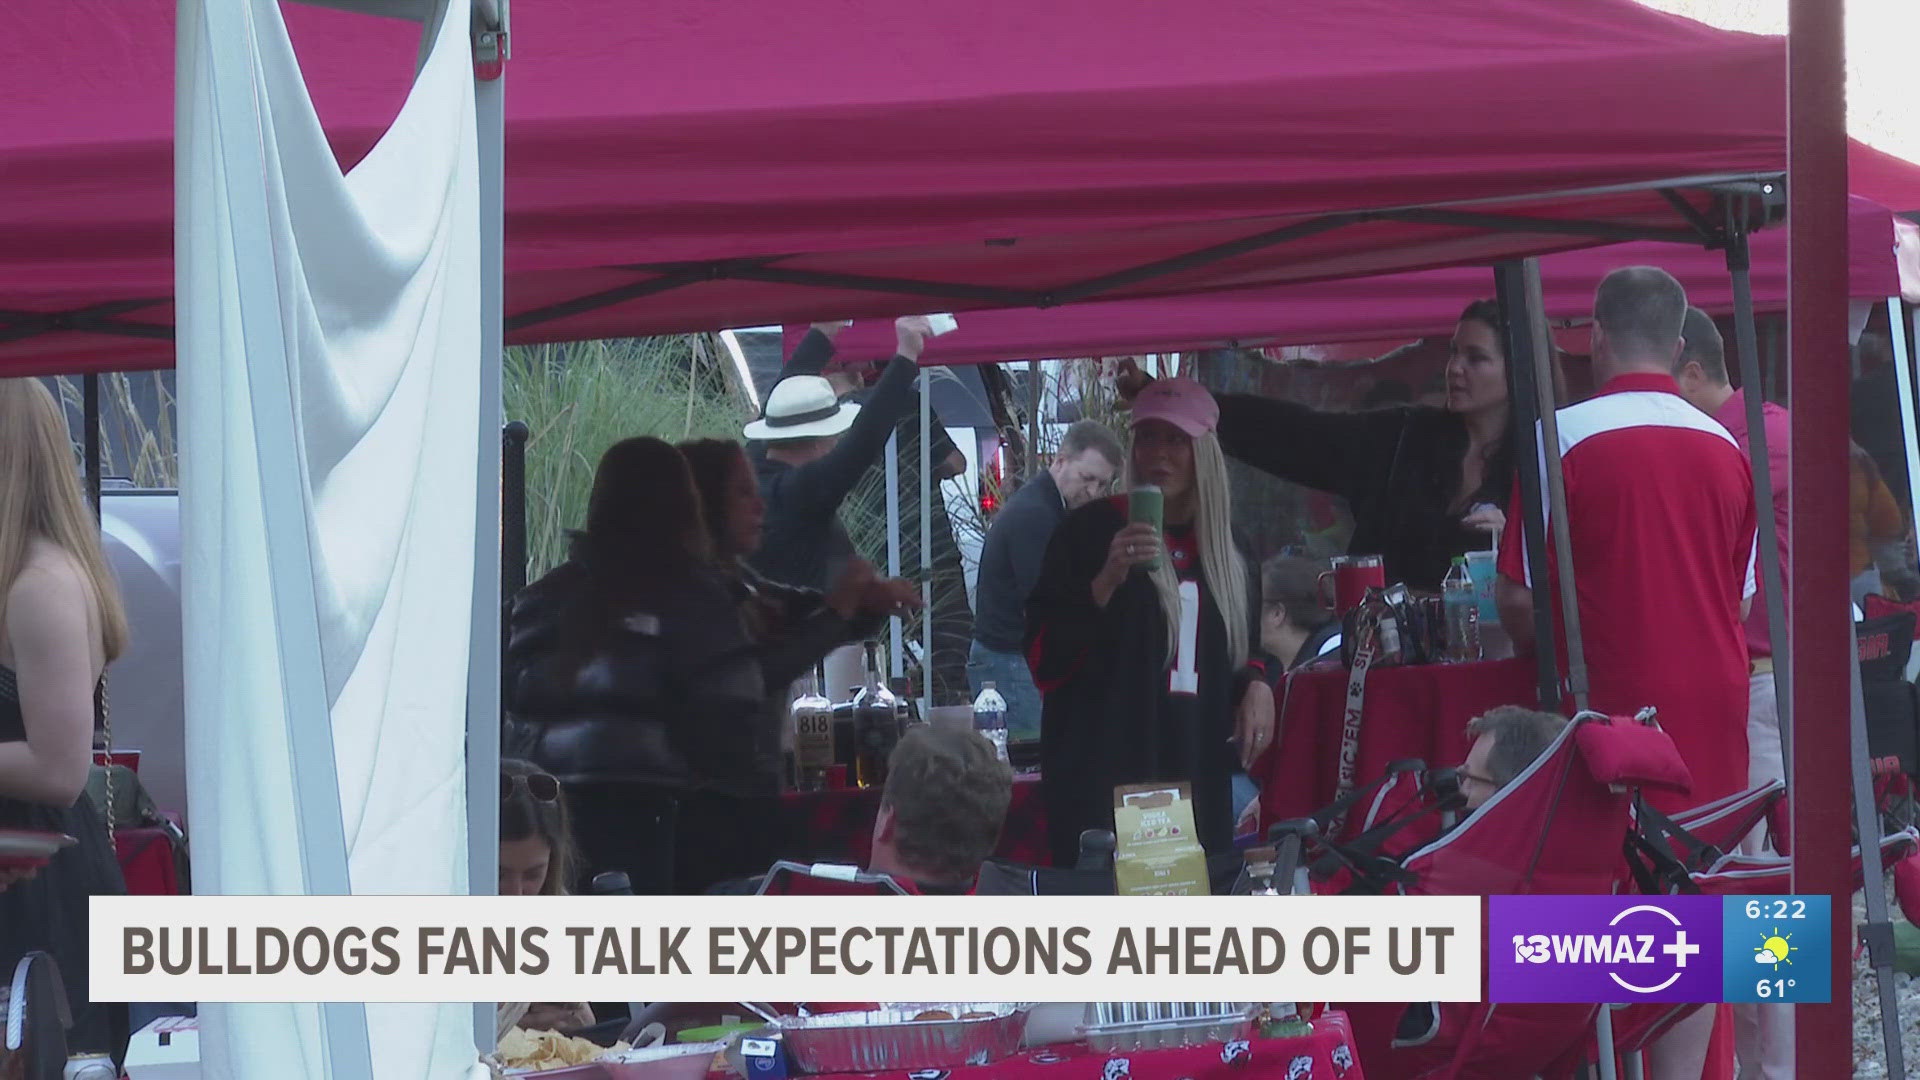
(837, 826)
(1410, 712)
(1325, 1054)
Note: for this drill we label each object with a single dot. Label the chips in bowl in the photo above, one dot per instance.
(523, 1051)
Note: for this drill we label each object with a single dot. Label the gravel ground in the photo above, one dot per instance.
(1869, 1053)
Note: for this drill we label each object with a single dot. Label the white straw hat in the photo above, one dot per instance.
(802, 407)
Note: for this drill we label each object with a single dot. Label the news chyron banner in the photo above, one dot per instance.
(1659, 948)
(785, 948)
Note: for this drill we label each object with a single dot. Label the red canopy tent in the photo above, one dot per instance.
(1883, 253)
(714, 164)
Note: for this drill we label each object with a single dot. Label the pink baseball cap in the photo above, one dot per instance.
(1179, 401)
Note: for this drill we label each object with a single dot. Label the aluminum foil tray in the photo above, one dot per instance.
(1129, 1026)
(890, 1038)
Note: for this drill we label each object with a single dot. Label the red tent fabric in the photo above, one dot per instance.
(993, 153)
(1884, 251)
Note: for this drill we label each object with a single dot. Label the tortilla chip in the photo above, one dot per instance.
(543, 1051)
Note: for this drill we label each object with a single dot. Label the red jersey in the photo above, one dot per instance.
(1661, 523)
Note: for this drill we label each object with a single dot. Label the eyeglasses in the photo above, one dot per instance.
(541, 787)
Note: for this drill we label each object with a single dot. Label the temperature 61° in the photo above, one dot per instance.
(1771, 988)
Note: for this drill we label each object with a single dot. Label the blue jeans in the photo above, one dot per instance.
(1009, 674)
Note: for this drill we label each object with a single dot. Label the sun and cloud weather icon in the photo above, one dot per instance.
(1774, 949)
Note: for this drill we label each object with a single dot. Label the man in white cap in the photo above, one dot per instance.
(811, 449)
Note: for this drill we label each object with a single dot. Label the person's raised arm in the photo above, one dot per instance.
(53, 668)
(814, 352)
(826, 482)
(1345, 453)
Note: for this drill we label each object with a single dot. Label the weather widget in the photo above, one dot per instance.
(1776, 948)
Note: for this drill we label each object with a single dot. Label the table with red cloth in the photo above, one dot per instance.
(1418, 711)
(837, 825)
(1326, 1053)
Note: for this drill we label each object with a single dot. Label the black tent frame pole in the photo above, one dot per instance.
(513, 523)
(1523, 412)
(1772, 583)
(90, 438)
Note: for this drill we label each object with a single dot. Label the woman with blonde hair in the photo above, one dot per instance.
(1145, 642)
(61, 623)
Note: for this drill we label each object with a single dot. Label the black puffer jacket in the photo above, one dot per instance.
(677, 689)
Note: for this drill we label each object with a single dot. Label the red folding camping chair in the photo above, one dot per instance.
(1694, 851)
(1559, 828)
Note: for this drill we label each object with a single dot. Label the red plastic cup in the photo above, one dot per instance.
(1352, 576)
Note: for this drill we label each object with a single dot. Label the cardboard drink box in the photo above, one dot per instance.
(1157, 852)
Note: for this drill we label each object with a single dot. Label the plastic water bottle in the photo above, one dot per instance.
(1462, 606)
(990, 718)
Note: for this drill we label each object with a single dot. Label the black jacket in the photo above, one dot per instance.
(676, 690)
(1397, 468)
(1110, 715)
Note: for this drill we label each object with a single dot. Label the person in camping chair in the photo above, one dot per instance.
(942, 809)
(1506, 740)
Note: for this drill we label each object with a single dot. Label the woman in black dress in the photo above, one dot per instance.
(1424, 484)
(1145, 643)
(61, 623)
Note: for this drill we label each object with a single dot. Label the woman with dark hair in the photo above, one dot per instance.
(536, 859)
(1424, 484)
(632, 678)
(793, 627)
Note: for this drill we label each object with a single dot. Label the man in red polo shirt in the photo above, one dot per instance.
(1660, 515)
(1660, 521)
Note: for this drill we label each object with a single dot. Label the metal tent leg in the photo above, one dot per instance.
(926, 542)
(494, 570)
(90, 439)
(1772, 584)
(1903, 375)
(898, 662)
(1524, 414)
(1877, 932)
(1823, 639)
(1603, 1035)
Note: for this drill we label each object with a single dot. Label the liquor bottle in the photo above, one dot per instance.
(812, 717)
(907, 705)
(876, 726)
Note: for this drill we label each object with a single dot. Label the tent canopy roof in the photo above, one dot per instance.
(1884, 251)
(723, 164)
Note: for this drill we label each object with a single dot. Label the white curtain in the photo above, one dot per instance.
(373, 312)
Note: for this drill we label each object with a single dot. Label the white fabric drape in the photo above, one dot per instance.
(374, 311)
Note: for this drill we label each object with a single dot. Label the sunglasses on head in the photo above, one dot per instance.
(540, 786)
